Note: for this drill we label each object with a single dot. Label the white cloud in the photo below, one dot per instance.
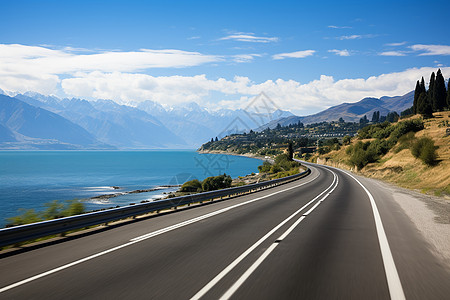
(395, 44)
(431, 49)
(242, 58)
(356, 36)
(340, 52)
(392, 53)
(24, 68)
(249, 37)
(297, 54)
(339, 27)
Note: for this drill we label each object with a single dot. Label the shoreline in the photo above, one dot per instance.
(161, 187)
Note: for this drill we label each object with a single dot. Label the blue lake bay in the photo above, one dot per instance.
(28, 179)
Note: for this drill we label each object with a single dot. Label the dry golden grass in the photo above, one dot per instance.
(404, 169)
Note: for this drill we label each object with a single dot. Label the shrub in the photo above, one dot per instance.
(265, 167)
(346, 140)
(73, 207)
(191, 186)
(216, 182)
(425, 150)
(28, 216)
(275, 169)
(55, 209)
(405, 142)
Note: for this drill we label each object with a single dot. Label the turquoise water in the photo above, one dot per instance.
(28, 179)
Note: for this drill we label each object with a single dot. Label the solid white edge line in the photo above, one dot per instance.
(139, 239)
(266, 253)
(231, 266)
(392, 277)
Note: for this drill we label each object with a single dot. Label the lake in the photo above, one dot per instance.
(28, 179)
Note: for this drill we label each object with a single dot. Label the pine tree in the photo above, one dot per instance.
(432, 90)
(422, 86)
(375, 117)
(424, 106)
(439, 92)
(417, 92)
(448, 94)
(290, 151)
(216, 139)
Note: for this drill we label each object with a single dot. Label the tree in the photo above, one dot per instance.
(432, 91)
(422, 86)
(376, 116)
(216, 139)
(363, 121)
(290, 151)
(439, 92)
(448, 94)
(212, 140)
(278, 126)
(424, 106)
(392, 117)
(407, 112)
(417, 92)
(341, 120)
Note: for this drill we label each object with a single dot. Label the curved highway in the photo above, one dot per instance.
(330, 235)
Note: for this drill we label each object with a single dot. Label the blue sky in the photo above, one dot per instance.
(305, 55)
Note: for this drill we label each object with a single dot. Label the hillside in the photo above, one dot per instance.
(399, 166)
(350, 112)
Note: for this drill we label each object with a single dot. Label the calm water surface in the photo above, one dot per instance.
(28, 179)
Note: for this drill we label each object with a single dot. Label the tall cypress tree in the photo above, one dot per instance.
(422, 86)
(417, 92)
(424, 106)
(432, 90)
(439, 92)
(448, 94)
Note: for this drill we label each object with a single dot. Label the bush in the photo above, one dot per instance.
(28, 216)
(405, 142)
(275, 169)
(191, 186)
(265, 167)
(346, 140)
(425, 150)
(216, 182)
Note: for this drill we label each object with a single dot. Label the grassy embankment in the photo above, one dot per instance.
(407, 162)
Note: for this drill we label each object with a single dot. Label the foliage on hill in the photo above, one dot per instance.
(383, 137)
(414, 157)
(283, 166)
(271, 142)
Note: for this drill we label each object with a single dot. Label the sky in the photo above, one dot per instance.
(305, 55)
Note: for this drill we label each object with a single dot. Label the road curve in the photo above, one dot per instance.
(315, 238)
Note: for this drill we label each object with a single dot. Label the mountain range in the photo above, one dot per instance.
(350, 112)
(34, 121)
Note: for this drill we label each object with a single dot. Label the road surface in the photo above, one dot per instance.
(330, 235)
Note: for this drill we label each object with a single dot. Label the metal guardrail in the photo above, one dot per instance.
(17, 234)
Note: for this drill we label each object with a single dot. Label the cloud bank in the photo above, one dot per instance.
(118, 76)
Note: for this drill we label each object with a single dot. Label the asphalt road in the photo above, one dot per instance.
(315, 238)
